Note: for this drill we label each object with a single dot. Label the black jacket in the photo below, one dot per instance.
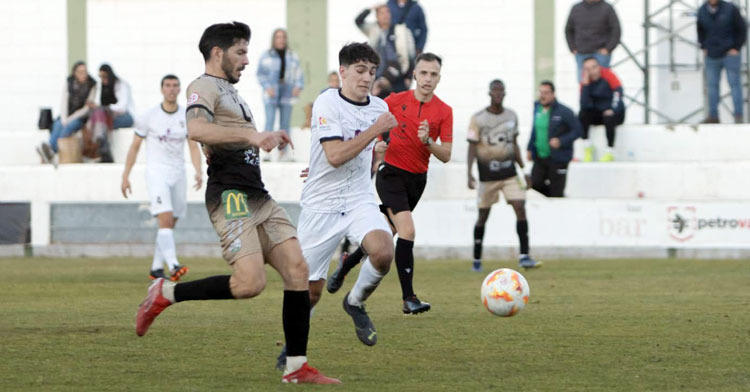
(564, 125)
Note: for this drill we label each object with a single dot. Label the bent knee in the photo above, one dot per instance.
(247, 288)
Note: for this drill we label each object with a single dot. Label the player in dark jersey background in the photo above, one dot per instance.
(493, 143)
(252, 228)
(422, 119)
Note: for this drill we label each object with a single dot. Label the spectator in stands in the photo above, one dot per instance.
(601, 104)
(78, 95)
(281, 76)
(722, 31)
(333, 81)
(593, 30)
(394, 44)
(116, 98)
(411, 13)
(115, 110)
(381, 88)
(554, 130)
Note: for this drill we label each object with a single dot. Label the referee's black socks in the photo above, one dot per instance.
(405, 266)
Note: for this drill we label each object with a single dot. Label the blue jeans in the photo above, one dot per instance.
(122, 121)
(713, 75)
(603, 60)
(285, 115)
(59, 130)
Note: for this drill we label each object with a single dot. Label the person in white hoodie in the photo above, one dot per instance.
(395, 45)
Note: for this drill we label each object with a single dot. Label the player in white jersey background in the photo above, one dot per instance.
(338, 198)
(164, 129)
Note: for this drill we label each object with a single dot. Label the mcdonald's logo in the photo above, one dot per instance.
(235, 204)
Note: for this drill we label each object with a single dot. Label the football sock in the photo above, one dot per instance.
(368, 280)
(214, 287)
(165, 242)
(405, 266)
(296, 320)
(158, 262)
(352, 261)
(345, 246)
(478, 239)
(522, 228)
(167, 291)
(294, 363)
(587, 143)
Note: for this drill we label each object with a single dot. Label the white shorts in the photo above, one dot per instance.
(321, 233)
(167, 193)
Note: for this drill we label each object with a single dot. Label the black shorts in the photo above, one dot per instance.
(399, 189)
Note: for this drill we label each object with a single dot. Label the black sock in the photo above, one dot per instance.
(522, 228)
(345, 246)
(405, 266)
(478, 238)
(215, 287)
(296, 319)
(352, 261)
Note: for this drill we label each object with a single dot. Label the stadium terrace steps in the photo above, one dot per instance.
(635, 143)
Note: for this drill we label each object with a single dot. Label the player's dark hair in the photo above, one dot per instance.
(355, 52)
(108, 96)
(427, 56)
(548, 83)
(496, 81)
(223, 35)
(590, 58)
(169, 77)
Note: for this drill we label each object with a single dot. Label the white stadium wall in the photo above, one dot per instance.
(33, 40)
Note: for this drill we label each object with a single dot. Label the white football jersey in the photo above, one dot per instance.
(341, 189)
(165, 135)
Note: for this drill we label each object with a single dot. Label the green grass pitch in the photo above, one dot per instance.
(622, 325)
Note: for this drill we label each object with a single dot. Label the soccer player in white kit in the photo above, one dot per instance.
(338, 198)
(163, 127)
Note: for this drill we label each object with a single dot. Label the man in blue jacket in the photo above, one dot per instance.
(410, 13)
(551, 144)
(721, 33)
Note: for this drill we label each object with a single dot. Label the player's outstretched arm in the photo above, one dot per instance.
(202, 129)
(339, 152)
(129, 162)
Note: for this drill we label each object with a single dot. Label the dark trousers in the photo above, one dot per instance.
(548, 177)
(595, 117)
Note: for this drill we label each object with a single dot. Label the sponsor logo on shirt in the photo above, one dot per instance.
(193, 98)
(322, 121)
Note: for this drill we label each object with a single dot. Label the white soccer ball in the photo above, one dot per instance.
(505, 292)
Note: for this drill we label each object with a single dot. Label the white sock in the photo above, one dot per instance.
(165, 242)
(369, 279)
(167, 290)
(158, 262)
(294, 363)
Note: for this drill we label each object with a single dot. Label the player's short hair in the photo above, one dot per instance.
(223, 35)
(355, 52)
(548, 83)
(169, 77)
(496, 81)
(427, 56)
(590, 58)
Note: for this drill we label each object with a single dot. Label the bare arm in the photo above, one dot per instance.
(441, 151)
(129, 162)
(471, 157)
(195, 157)
(202, 130)
(339, 152)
